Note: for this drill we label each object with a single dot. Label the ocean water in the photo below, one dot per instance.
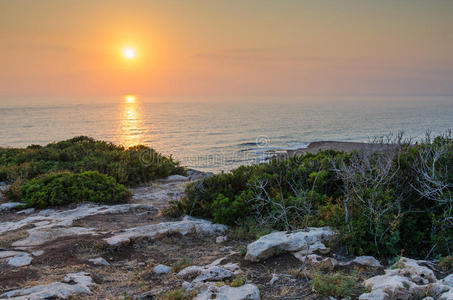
(220, 136)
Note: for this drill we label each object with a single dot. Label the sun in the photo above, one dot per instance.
(129, 53)
(129, 98)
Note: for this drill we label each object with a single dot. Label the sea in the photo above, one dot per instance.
(221, 135)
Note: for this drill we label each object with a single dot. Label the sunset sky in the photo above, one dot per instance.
(225, 48)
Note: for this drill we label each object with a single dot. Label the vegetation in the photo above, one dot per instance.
(181, 264)
(180, 294)
(337, 285)
(383, 202)
(80, 169)
(63, 188)
(129, 166)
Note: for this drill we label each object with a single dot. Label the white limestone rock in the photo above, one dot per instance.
(50, 218)
(416, 271)
(161, 269)
(318, 261)
(38, 236)
(73, 284)
(245, 292)
(388, 286)
(20, 260)
(99, 261)
(153, 231)
(265, 246)
(221, 239)
(210, 272)
(368, 261)
(9, 206)
(174, 178)
(448, 280)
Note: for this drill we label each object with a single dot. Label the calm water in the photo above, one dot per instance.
(218, 136)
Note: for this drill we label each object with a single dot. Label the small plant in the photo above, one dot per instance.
(337, 285)
(242, 250)
(174, 210)
(181, 264)
(237, 281)
(180, 294)
(446, 263)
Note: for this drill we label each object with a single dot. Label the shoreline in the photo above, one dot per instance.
(314, 147)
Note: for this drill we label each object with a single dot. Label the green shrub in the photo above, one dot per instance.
(181, 264)
(380, 203)
(337, 285)
(180, 294)
(130, 166)
(64, 188)
(446, 263)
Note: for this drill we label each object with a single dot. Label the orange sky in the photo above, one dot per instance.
(226, 48)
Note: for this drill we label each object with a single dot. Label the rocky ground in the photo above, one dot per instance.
(132, 251)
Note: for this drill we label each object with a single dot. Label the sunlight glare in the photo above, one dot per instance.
(130, 98)
(129, 53)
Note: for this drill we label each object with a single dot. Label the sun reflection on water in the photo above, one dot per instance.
(131, 128)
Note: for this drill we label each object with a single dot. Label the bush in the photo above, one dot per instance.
(130, 166)
(64, 188)
(381, 202)
(337, 285)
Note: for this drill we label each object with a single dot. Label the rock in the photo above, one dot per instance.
(209, 272)
(50, 218)
(20, 260)
(448, 280)
(26, 211)
(99, 261)
(368, 261)
(318, 261)
(197, 175)
(388, 286)
(39, 236)
(7, 253)
(153, 231)
(174, 178)
(416, 271)
(37, 253)
(265, 246)
(9, 206)
(245, 292)
(72, 284)
(161, 269)
(316, 248)
(221, 239)
(447, 296)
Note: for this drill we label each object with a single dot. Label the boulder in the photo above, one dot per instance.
(368, 261)
(245, 292)
(20, 260)
(71, 285)
(161, 269)
(448, 280)
(209, 273)
(416, 270)
(388, 286)
(267, 245)
(153, 231)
